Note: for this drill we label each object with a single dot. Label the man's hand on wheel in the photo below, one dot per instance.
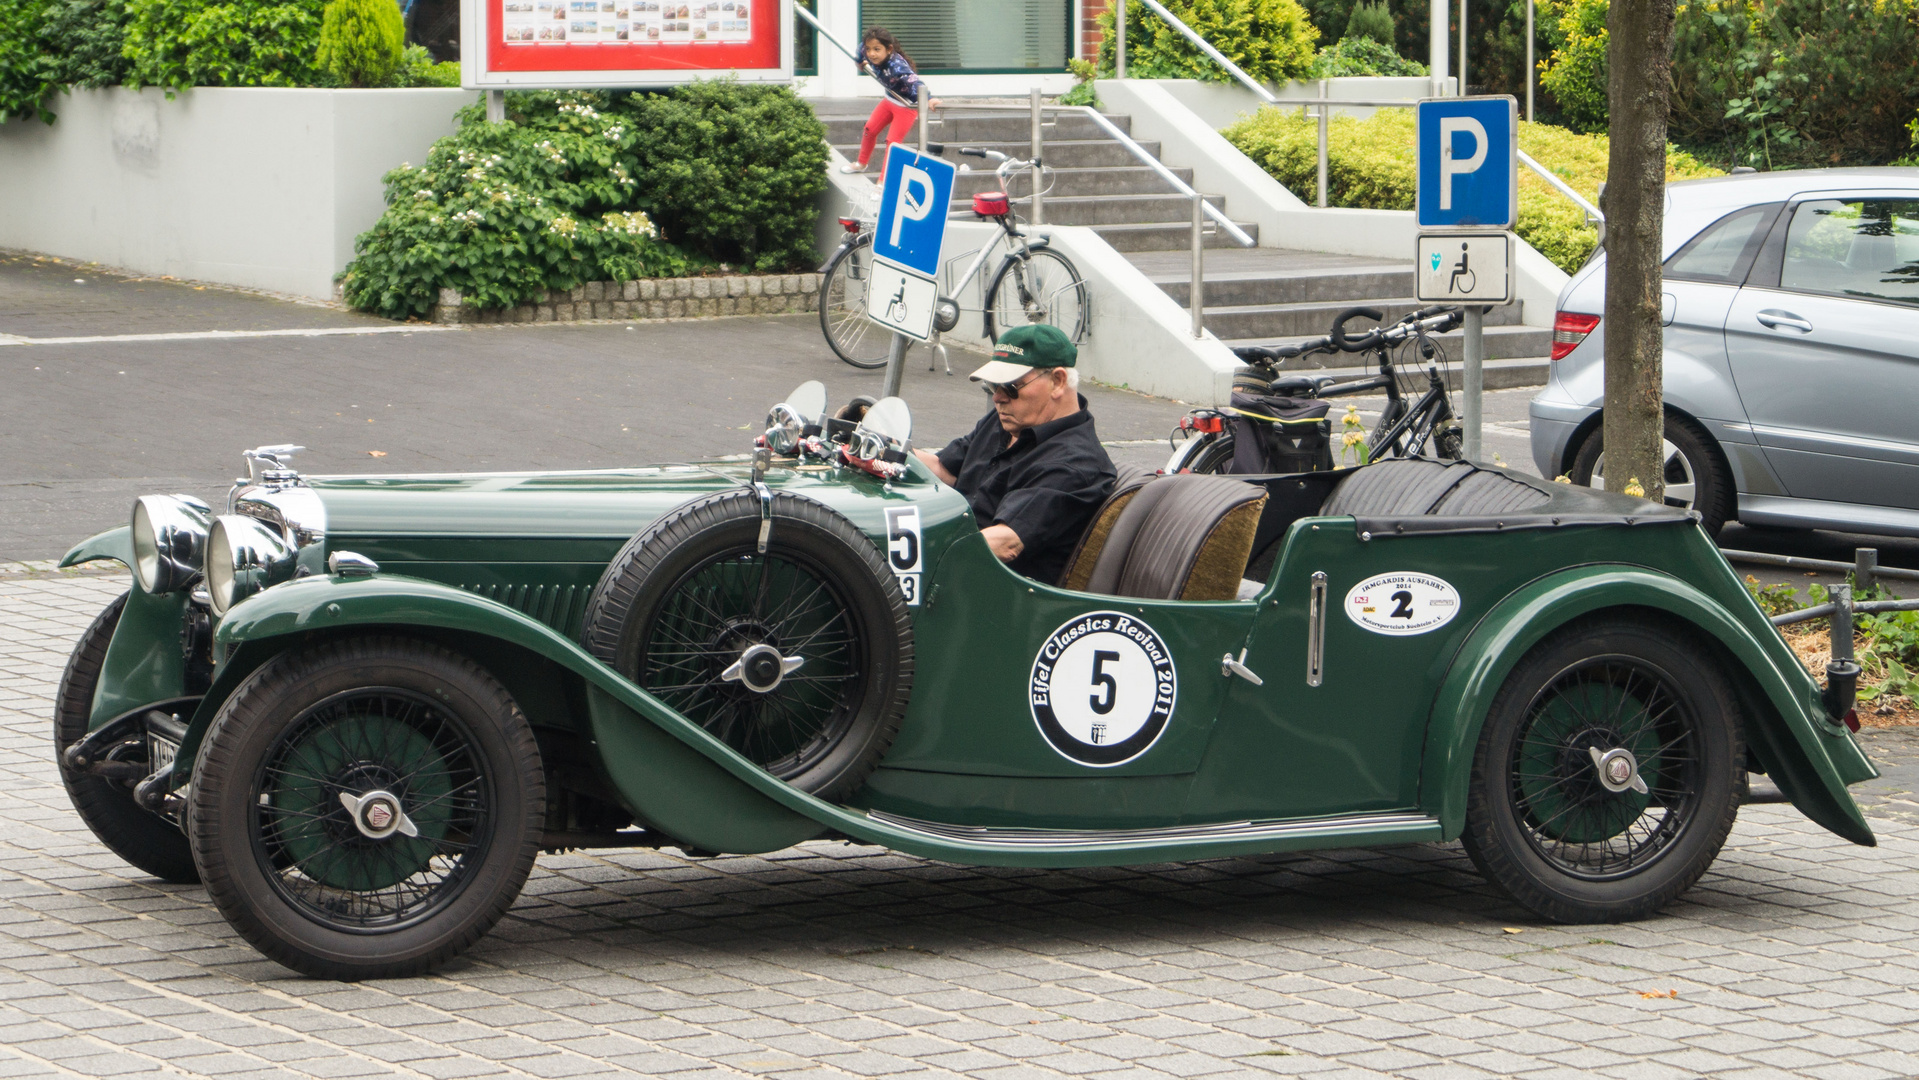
(932, 461)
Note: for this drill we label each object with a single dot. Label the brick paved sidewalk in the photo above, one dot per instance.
(1793, 957)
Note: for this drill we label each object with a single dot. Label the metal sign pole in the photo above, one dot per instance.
(1119, 38)
(895, 364)
(496, 106)
(1471, 408)
(1039, 212)
(1531, 72)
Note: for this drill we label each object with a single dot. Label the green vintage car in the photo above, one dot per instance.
(357, 707)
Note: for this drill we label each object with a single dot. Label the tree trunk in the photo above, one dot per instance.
(1639, 91)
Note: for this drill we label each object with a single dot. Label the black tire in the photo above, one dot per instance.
(1045, 288)
(689, 599)
(852, 336)
(288, 864)
(1540, 821)
(1693, 461)
(145, 840)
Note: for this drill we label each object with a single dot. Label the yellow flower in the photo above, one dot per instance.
(1632, 488)
(1351, 419)
(1562, 478)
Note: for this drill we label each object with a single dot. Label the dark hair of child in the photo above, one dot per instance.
(885, 37)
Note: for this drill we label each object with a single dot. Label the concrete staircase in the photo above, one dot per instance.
(1270, 296)
(1260, 296)
(1097, 181)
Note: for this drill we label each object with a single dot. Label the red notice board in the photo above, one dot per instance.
(623, 43)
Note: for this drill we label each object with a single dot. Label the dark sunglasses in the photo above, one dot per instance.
(1011, 389)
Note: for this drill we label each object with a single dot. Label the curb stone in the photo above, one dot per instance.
(651, 298)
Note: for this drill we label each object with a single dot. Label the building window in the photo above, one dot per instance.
(956, 36)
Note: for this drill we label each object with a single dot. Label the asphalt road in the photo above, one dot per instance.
(120, 386)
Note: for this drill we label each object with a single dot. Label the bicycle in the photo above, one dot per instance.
(1287, 443)
(1032, 284)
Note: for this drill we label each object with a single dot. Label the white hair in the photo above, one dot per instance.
(1072, 379)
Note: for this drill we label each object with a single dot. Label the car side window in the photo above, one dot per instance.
(1866, 248)
(1723, 250)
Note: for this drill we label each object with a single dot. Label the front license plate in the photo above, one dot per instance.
(161, 752)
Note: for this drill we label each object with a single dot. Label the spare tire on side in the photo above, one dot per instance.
(799, 657)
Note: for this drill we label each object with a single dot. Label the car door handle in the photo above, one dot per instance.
(1776, 319)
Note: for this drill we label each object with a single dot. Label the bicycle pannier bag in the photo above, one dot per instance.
(990, 203)
(1281, 435)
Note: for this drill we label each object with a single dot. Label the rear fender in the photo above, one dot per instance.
(1784, 723)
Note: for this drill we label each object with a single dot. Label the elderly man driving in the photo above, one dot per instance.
(1032, 468)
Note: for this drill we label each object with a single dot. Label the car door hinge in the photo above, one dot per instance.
(1230, 666)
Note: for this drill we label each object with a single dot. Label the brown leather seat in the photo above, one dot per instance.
(1182, 537)
(1079, 565)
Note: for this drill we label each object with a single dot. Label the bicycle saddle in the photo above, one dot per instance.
(1297, 386)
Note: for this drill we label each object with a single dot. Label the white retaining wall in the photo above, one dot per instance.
(1185, 117)
(260, 187)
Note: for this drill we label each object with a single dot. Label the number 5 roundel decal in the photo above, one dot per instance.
(1103, 688)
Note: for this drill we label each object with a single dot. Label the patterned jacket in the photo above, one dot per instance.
(897, 76)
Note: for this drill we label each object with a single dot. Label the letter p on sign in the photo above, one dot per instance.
(1450, 163)
(910, 208)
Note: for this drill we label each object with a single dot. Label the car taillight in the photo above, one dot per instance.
(1569, 330)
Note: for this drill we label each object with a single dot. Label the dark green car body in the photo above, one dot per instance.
(1376, 748)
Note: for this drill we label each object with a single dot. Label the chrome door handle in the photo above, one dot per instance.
(1776, 319)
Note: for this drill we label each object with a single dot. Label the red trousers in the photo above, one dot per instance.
(895, 120)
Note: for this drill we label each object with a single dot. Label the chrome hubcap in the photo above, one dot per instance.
(761, 668)
(377, 814)
(1618, 770)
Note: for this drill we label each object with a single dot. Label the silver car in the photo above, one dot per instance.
(1791, 310)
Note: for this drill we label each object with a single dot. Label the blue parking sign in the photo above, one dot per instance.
(1468, 162)
(913, 203)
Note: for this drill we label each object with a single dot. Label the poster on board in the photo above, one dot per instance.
(558, 44)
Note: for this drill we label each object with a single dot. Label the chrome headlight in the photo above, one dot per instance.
(244, 556)
(784, 429)
(169, 542)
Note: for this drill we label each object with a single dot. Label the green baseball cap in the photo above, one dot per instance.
(1023, 348)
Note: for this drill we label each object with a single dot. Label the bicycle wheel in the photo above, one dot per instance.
(1038, 287)
(853, 337)
(1213, 459)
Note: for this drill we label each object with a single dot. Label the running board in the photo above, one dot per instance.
(1400, 827)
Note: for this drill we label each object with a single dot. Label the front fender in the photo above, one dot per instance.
(672, 774)
(1797, 745)
(112, 544)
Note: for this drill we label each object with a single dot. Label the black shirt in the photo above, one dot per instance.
(1046, 486)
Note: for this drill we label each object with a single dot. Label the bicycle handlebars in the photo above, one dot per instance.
(1432, 320)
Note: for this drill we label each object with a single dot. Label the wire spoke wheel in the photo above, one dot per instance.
(776, 605)
(852, 336)
(367, 807)
(371, 869)
(1573, 817)
(1043, 287)
(1606, 777)
(799, 657)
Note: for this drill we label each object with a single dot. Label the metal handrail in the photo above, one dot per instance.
(1592, 212)
(824, 32)
(1138, 151)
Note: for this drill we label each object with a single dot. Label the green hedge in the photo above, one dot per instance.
(1362, 56)
(1767, 83)
(1370, 164)
(584, 186)
(1271, 40)
(181, 43)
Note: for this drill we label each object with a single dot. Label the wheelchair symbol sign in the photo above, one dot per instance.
(1457, 268)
